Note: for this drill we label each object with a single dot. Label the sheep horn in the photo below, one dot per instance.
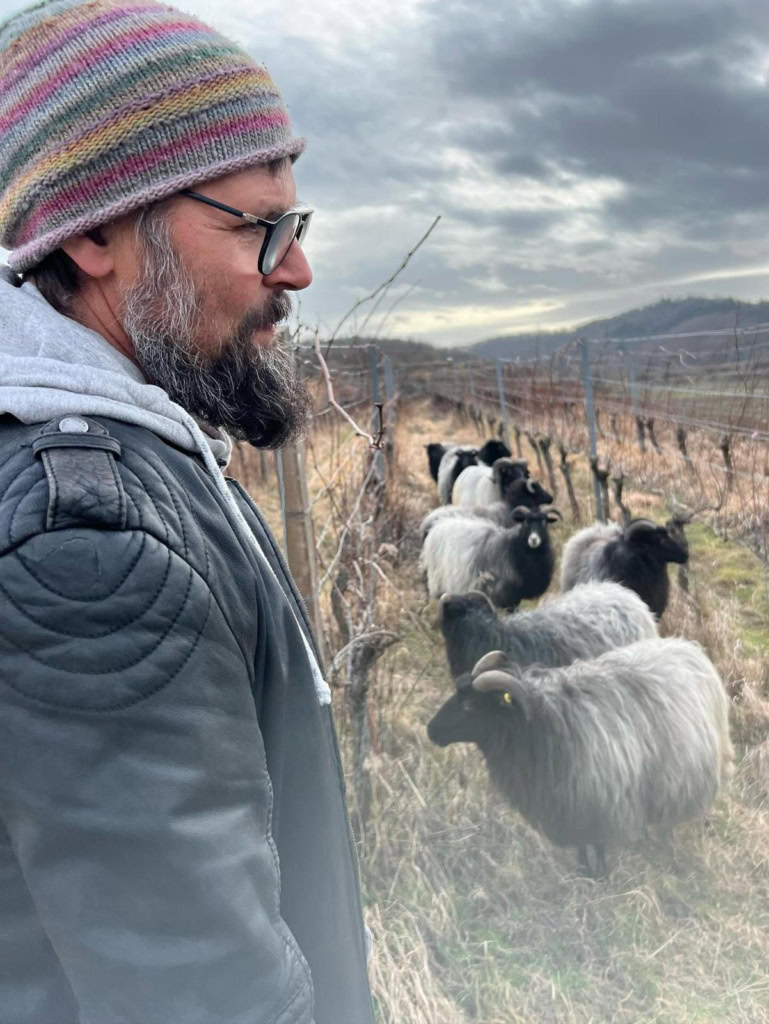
(639, 526)
(520, 513)
(530, 486)
(492, 660)
(555, 514)
(487, 599)
(497, 681)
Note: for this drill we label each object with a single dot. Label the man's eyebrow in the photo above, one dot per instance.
(275, 212)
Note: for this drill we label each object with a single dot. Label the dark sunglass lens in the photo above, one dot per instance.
(280, 242)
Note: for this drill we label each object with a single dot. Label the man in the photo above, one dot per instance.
(174, 844)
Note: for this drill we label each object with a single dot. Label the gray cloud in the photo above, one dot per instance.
(585, 155)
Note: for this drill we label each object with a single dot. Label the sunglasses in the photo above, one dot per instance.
(279, 235)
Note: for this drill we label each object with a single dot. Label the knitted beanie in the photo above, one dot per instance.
(108, 105)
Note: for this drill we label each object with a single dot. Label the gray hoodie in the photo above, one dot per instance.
(53, 366)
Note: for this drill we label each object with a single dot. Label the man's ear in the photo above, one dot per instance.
(91, 252)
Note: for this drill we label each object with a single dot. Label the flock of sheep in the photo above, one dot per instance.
(591, 725)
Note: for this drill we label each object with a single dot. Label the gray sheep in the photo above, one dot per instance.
(487, 454)
(591, 619)
(596, 751)
(635, 556)
(518, 494)
(481, 485)
(510, 564)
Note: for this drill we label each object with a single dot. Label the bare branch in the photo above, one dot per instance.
(374, 442)
(383, 286)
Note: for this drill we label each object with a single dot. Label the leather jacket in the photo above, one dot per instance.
(174, 841)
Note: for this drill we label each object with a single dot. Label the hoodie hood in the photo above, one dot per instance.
(53, 366)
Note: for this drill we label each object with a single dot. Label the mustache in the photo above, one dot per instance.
(277, 308)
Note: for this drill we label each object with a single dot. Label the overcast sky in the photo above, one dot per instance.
(585, 156)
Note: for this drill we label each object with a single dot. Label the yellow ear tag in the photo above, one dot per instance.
(507, 698)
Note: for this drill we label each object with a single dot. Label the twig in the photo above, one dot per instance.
(374, 442)
(383, 285)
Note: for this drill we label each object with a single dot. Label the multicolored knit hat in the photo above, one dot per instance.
(108, 105)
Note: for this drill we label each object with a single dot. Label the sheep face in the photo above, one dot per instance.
(525, 492)
(534, 526)
(491, 451)
(463, 460)
(506, 471)
(469, 716)
(656, 542)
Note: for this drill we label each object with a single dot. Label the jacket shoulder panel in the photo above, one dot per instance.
(115, 477)
(97, 619)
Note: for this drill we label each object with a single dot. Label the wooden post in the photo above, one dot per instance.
(566, 471)
(590, 414)
(503, 403)
(300, 536)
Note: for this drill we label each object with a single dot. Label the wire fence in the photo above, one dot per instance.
(691, 425)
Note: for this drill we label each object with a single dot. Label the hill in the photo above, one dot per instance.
(668, 316)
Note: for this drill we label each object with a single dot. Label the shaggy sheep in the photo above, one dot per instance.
(482, 485)
(596, 751)
(591, 619)
(637, 557)
(487, 454)
(456, 459)
(509, 564)
(518, 494)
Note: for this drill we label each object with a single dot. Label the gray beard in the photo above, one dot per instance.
(253, 392)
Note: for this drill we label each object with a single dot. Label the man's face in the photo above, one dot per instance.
(202, 319)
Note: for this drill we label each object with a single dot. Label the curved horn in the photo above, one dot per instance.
(492, 660)
(530, 485)
(639, 526)
(519, 513)
(486, 598)
(497, 681)
(556, 515)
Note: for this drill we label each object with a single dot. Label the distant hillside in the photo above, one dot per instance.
(668, 316)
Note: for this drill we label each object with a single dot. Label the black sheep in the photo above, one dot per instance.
(637, 557)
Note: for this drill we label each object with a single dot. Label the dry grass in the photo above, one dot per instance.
(475, 916)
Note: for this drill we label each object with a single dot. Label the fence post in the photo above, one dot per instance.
(590, 413)
(300, 534)
(373, 354)
(502, 402)
(389, 386)
(389, 410)
(634, 401)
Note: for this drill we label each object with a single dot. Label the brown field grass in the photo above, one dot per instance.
(475, 916)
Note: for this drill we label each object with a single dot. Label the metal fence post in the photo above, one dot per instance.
(633, 385)
(502, 402)
(389, 385)
(373, 353)
(590, 412)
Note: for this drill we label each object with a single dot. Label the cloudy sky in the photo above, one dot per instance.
(585, 156)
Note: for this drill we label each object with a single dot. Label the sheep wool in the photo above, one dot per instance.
(108, 105)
